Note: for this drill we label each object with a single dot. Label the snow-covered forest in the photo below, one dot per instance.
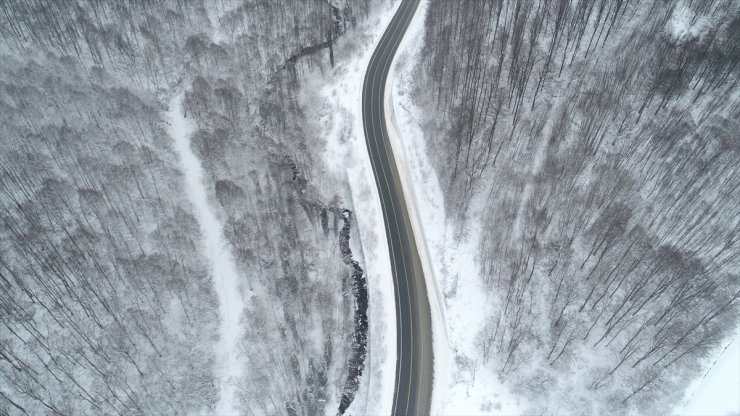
(189, 224)
(595, 144)
(110, 304)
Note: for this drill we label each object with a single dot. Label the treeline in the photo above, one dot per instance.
(597, 142)
(140, 43)
(107, 304)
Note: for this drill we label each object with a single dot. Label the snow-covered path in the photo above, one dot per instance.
(229, 365)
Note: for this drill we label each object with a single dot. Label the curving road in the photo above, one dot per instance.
(413, 319)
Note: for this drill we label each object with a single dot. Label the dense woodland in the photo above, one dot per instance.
(108, 306)
(596, 141)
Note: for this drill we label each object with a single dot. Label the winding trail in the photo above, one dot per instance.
(230, 365)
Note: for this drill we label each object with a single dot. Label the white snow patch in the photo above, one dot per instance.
(684, 25)
(462, 384)
(717, 392)
(229, 364)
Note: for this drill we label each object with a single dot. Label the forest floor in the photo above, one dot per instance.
(230, 365)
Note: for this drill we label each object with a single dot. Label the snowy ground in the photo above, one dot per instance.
(230, 366)
(339, 113)
(717, 392)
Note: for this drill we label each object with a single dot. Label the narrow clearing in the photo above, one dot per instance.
(229, 365)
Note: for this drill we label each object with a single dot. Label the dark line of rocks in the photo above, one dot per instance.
(356, 362)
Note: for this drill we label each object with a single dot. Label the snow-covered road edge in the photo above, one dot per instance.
(346, 155)
(441, 349)
(461, 384)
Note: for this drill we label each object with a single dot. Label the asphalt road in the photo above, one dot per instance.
(414, 343)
